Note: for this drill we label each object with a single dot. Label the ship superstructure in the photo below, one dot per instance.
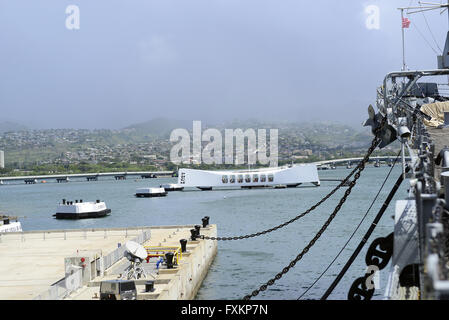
(412, 109)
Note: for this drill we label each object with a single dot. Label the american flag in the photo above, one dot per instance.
(405, 23)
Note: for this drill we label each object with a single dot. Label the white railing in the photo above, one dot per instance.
(69, 284)
(63, 288)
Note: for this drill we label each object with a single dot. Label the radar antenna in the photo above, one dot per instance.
(135, 253)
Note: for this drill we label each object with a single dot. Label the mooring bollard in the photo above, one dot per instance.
(169, 260)
(197, 229)
(183, 245)
(149, 286)
(205, 221)
(193, 234)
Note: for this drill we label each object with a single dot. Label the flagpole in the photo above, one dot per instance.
(403, 42)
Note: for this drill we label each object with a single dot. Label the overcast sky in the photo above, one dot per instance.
(210, 60)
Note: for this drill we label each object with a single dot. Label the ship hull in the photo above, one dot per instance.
(11, 227)
(150, 195)
(171, 187)
(82, 215)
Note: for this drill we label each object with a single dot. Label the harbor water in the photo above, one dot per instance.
(240, 266)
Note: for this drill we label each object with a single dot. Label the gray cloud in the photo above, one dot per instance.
(206, 60)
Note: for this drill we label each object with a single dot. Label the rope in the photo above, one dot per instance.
(419, 31)
(356, 229)
(431, 33)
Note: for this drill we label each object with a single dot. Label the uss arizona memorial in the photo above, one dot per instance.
(288, 176)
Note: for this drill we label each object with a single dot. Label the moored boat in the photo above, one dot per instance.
(6, 225)
(172, 187)
(150, 192)
(81, 210)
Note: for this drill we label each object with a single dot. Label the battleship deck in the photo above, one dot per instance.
(33, 262)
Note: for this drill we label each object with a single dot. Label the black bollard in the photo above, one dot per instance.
(169, 260)
(183, 245)
(197, 229)
(205, 222)
(193, 234)
(149, 286)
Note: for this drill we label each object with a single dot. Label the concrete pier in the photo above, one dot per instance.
(39, 264)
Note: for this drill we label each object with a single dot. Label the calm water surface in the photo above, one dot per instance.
(240, 266)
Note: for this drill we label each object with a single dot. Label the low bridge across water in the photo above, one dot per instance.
(89, 176)
(353, 161)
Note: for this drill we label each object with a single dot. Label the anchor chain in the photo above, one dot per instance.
(379, 252)
(378, 255)
(360, 168)
(376, 140)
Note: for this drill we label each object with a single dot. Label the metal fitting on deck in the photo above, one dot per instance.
(183, 245)
(205, 221)
(169, 260)
(149, 286)
(197, 229)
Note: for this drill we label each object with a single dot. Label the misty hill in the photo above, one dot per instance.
(8, 126)
(159, 127)
(148, 142)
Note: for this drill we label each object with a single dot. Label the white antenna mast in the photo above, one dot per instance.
(427, 7)
(404, 66)
(423, 6)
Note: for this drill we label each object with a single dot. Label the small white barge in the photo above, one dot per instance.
(172, 187)
(81, 210)
(150, 192)
(6, 225)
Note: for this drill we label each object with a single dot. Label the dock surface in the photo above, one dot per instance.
(33, 263)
